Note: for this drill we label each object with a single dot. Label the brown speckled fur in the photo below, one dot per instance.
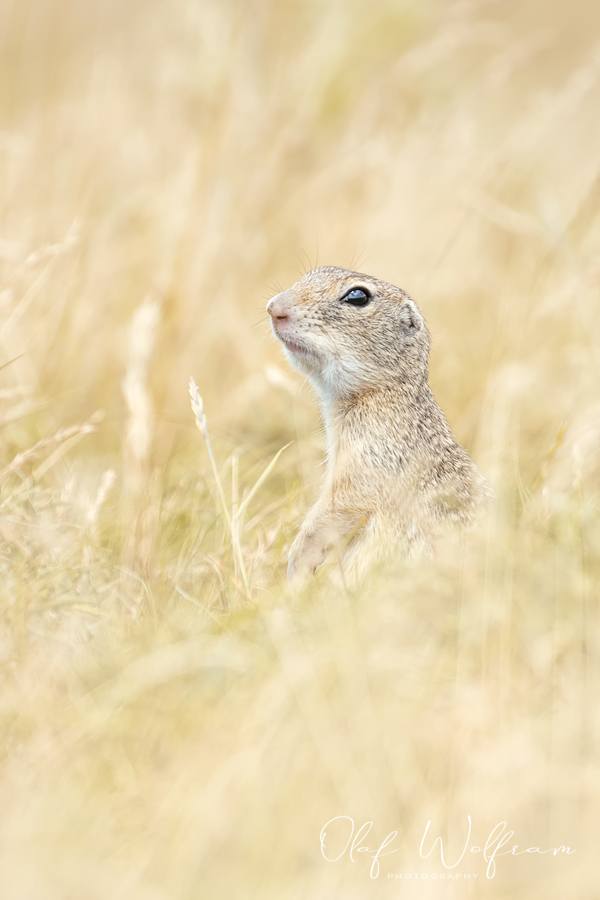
(395, 475)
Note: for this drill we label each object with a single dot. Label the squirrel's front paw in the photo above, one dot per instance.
(304, 559)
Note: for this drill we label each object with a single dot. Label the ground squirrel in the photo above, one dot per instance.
(395, 475)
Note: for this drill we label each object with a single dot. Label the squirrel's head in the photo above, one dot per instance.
(351, 332)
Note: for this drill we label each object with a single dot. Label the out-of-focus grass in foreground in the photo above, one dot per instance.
(174, 725)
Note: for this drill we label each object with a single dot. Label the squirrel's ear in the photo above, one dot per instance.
(411, 319)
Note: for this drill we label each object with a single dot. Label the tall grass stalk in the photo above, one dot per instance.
(234, 518)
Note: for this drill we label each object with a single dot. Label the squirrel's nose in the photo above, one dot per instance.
(278, 307)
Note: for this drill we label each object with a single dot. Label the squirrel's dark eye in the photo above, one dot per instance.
(357, 297)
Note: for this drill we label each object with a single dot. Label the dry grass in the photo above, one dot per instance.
(174, 726)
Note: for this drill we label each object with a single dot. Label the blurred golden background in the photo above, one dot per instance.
(173, 724)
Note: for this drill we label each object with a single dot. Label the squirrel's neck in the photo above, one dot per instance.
(395, 419)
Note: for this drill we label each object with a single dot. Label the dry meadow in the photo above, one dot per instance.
(174, 724)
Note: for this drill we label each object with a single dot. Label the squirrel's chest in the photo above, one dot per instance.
(367, 462)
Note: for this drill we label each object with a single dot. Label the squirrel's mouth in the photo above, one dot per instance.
(292, 343)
